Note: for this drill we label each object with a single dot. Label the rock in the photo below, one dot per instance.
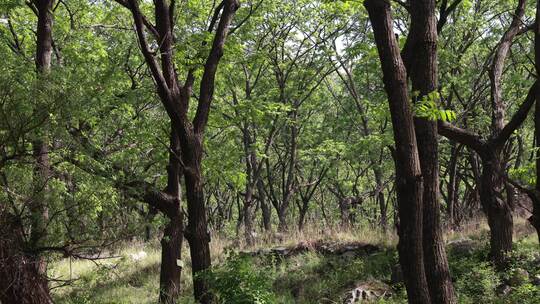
(519, 277)
(349, 250)
(397, 274)
(503, 290)
(536, 280)
(367, 291)
(348, 255)
(464, 246)
(264, 251)
(536, 260)
(359, 248)
(281, 251)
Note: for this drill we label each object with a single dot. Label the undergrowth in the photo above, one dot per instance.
(307, 277)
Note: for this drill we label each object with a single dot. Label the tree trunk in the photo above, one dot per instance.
(38, 208)
(171, 243)
(20, 279)
(171, 257)
(435, 260)
(248, 215)
(496, 208)
(302, 211)
(423, 73)
(381, 199)
(265, 208)
(535, 217)
(282, 220)
(344, 212)
(197, 230)
(44, 35)
(175, 97)
(408, 174)
(40, 146)
(252, 176)
(452, 187)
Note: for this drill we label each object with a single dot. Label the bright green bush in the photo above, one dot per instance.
(524, 294)
(476, 281)
(239, 281)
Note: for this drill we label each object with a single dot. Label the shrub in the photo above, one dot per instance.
(476, 280)
(239, 281)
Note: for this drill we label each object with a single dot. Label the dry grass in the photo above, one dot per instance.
(126, 280)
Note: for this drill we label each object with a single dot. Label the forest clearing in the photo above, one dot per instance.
(256, 151)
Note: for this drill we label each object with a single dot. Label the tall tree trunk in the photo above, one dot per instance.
(302, 211)
(252, 176)
(40, 147)
(171, 261)
(248, 215)
(423, 73)
(175, 97)
(497, 209)
(535, 217)
(20, 280)
(44, 35)
(39, 208)
(499, 213)
(171, 243)
(452, 187)
(265, 208)
(289, 184)
(408, 173)
(380, 198)
(198, 235)
(282, 219)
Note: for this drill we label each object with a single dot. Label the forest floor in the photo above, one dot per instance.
(313, 267)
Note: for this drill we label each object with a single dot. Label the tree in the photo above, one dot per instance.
(409, 182)
(24, 272)
(422, 41)
(175, 97)
(497, 209)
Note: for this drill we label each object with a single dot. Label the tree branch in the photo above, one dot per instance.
(146, 23)
(462, 136)
(518, 118)
(210, 67)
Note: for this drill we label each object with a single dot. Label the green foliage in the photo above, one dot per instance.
(312, 276)
(477, 281)
(523, 294)
(239, 281)
(427, 107)
(525, 174)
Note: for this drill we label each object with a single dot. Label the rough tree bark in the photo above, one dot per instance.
(40, 145)
(408, 173)
(423, 73)
(266, 209)
(535, 217)
(496, 207)
(453, 184)
(252, 176)
(171, 243)
(20, 279)
(23, 269)
(175, 97)
(380, 198)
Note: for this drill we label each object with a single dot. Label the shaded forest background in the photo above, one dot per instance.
(269, 151)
